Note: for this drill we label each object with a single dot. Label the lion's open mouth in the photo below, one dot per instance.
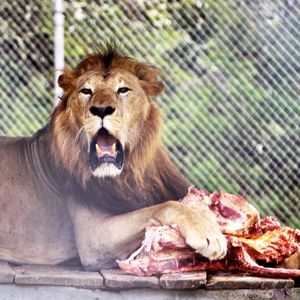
(105, 148)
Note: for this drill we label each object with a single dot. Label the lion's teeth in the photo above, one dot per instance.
(99, 151)
(113, 149)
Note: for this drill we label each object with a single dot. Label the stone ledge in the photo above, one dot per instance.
(118, 280)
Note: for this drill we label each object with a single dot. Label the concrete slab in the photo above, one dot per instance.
(241, 281)
(180, 281)
(118, 279)
(7, 275)
(17, 292)
(57, 275)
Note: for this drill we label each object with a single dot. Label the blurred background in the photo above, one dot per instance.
(232, 77)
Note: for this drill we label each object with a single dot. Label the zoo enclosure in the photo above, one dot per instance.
(231, 71)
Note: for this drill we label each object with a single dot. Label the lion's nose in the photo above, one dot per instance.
(102, 111)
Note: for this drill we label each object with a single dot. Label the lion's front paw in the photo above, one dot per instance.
(199, 227)
(202, 232)
(211, 244)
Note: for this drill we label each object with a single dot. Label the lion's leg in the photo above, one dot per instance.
(102, 238)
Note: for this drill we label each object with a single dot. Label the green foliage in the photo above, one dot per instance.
(26, 66)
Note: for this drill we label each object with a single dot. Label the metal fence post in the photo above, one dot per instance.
(58, 45)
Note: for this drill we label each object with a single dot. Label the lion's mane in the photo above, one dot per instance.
(148, 177)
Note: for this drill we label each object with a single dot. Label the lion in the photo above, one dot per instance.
(87, 184)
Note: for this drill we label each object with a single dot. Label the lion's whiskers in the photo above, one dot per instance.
(91, 126)
(80, 131)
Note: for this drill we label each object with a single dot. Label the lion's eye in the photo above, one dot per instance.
(86, 91)
(123, 90)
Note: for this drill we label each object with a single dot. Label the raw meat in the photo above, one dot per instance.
(250, 240)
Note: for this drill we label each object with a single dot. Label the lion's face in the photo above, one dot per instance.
(110, 109)
(106, 117)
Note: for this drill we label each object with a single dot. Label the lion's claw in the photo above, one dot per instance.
(213, 246)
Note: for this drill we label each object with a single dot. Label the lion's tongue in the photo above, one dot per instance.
(105, 145)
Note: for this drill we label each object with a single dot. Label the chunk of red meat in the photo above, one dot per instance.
(250, 239)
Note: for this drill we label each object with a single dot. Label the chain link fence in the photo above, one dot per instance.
(232, 76)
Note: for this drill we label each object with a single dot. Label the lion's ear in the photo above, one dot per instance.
(152, 88)
(67, 80)
(148, 78)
